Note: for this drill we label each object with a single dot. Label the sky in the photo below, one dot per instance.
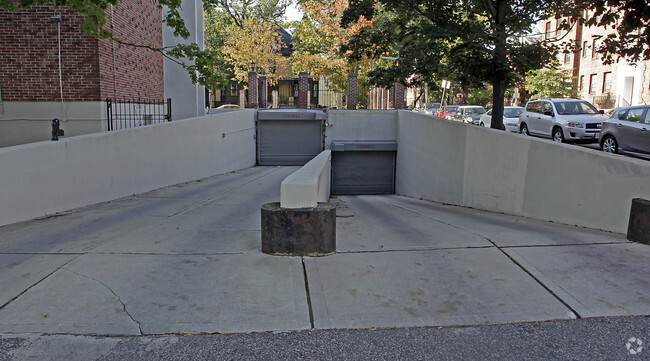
(293, 12)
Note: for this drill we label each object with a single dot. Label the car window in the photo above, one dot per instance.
(534, 107)
(451, 109)
(511, 112)
(575, 107)
(633, 115)
(547, 107)
(490, 112)
(647, 116)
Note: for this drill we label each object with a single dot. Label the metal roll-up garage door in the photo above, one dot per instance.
(289, 136)
(363, 167)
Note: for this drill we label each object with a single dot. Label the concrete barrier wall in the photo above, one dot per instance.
(48, 177)
(308, 185)
(451, 162)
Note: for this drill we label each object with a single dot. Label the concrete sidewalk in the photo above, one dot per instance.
(186, 259)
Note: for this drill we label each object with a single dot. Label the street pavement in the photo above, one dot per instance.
(177, 273)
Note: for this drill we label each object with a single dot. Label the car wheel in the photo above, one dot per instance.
(558, 135)
(524, 129)
(609, 145)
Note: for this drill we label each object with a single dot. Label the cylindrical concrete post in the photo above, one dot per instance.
(299, 231)
(638, 229)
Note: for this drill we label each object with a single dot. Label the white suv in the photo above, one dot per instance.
(561, 119)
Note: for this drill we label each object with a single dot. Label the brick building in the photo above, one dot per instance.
(50, 69)
(606, 86)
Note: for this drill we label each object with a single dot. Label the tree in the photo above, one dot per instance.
(255, 43)
(471, 41)
(245, 32)
(629, 18)
(550, 83)
(318, 41)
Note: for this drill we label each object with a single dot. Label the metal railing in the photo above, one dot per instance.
(131, 113)
(603, 101)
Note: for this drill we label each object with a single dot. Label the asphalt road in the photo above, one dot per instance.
(609, 338)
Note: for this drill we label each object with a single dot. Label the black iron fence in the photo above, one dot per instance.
(131, 113)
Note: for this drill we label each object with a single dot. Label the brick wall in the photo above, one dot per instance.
(29, 65)
(126, 71)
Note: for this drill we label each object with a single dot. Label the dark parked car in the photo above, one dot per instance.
(627, 131)
(469, 114)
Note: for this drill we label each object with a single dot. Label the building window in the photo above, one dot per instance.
(593, 49)
(584, 49)
(581, 83)
(607, 82)
(567, 57)
(233, 90)
(592, 84)
(547, 30)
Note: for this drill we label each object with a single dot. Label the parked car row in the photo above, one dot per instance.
(623, 130)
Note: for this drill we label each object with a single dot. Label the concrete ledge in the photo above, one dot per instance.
(299, 232)
(639, 226)
(309, 185)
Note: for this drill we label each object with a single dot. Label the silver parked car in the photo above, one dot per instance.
(510, 118)
(627, 131)
(561, 119)
(469, 114)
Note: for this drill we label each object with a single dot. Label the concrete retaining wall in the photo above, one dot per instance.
(450, 162)
(48, 177)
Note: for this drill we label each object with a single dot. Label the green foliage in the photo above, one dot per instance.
(630, 20)
(467, 42)
(202, 66)
(550, 83)
(480, 95)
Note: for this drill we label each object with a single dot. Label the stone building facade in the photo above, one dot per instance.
(606, 86)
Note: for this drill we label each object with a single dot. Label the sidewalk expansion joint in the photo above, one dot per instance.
(311, 310)
(566, 244)
(206, 254)
(413, 249)
(114, 294)
(547, 288)
(35, 284)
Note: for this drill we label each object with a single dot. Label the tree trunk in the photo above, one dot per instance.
(499, 61)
